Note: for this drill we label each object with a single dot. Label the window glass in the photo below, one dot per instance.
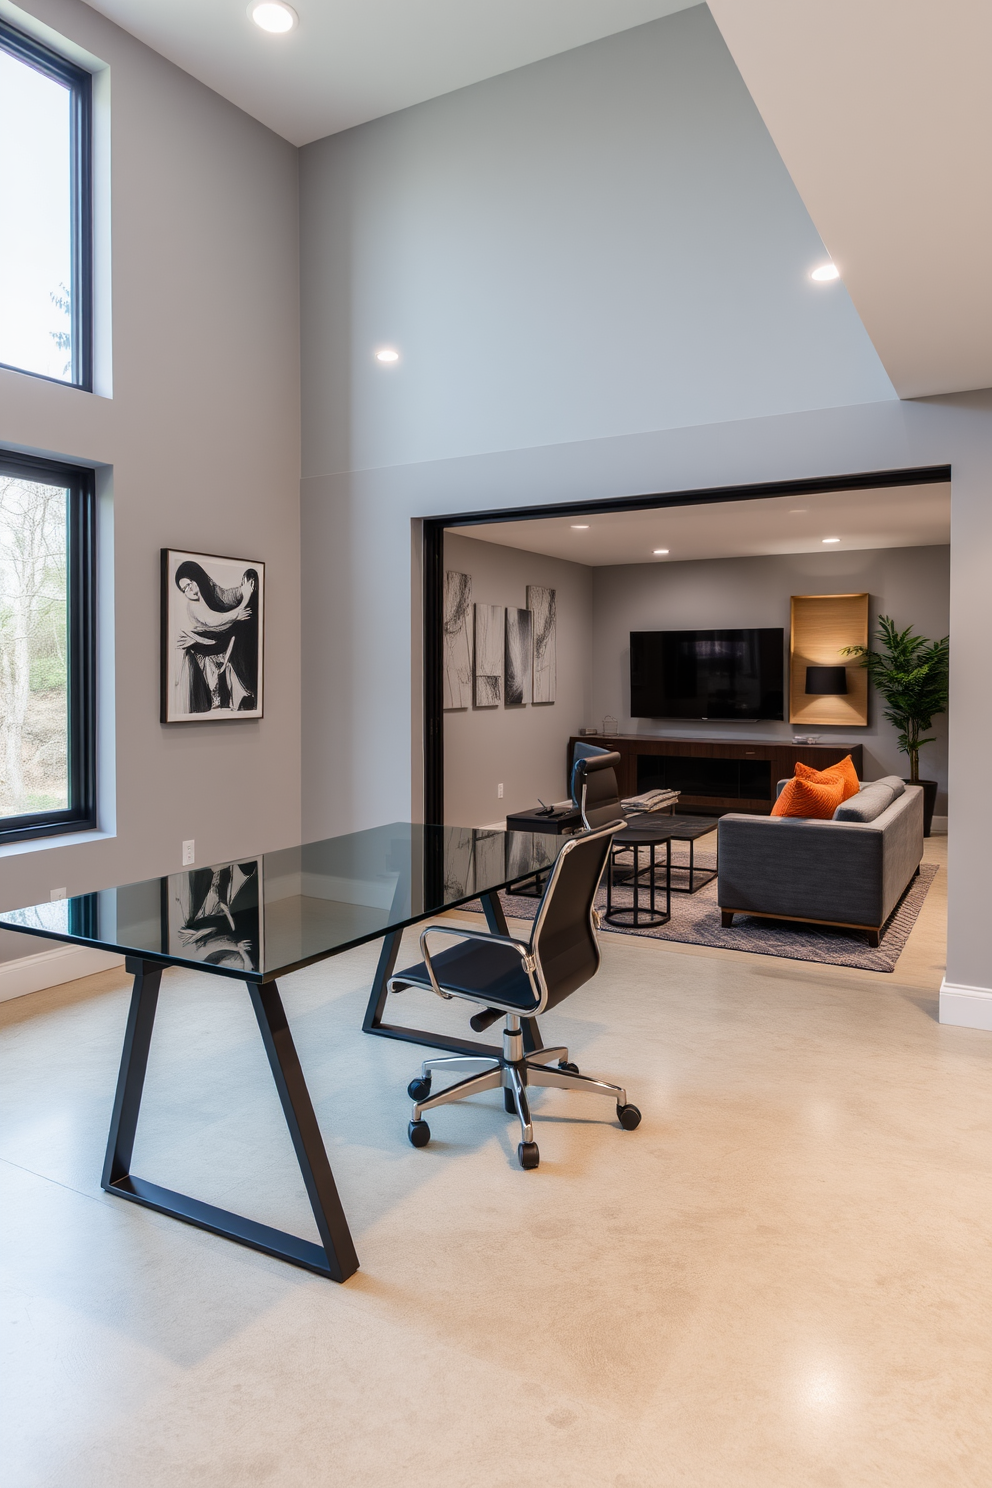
(44, 212)
(34, 655)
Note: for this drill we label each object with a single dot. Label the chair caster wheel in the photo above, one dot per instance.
(420, 1088)
(527, 1154)
(628, 1117)
(419, 1133)
(567, 1067)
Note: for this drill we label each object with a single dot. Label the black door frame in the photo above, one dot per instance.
(433, 571)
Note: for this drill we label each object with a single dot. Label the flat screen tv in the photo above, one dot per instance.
(707, 674)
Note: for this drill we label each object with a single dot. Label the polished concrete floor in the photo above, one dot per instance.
(783, 1279)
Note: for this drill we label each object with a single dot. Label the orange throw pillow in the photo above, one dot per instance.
(818, 798)
(844, 769)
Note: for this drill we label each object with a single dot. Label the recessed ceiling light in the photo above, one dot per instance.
(580, 526)
(660, 552)
(273, 15)
(830, 539)
(387, 354)
(825, 272)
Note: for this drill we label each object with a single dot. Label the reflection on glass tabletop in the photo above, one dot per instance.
(260, 917)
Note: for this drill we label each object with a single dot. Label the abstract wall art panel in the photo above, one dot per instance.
(542, 604)
(519, 646)
(457, 640)
(212, 637)
(488, 655)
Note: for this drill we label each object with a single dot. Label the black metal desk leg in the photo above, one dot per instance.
(335, 1256)
(134, 1063)
(384, 970)
(309, 1144)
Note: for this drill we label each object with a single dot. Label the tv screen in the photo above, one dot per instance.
(707, 674)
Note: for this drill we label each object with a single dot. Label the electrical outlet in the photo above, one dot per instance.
(499, 791)
(189, 852)
(57, 894)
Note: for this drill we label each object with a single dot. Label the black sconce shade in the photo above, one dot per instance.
(826, 681)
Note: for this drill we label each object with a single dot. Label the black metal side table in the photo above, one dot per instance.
(639, 915)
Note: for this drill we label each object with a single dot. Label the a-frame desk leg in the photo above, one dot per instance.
(335, 1256)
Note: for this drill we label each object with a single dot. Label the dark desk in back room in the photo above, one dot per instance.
(716, 775)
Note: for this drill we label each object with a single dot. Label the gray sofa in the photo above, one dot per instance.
(849, 871)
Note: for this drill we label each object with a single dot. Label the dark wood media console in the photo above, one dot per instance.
(713, 776)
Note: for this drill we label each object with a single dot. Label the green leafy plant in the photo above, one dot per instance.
(911, 674)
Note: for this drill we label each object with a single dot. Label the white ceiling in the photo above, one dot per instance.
(896, 517)
(353, 60)
(882, 112)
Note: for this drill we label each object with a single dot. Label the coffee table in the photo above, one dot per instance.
(690, 829)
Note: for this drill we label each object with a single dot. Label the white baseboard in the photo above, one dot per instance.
(966, 1007)
(50, 968)
(938, 827)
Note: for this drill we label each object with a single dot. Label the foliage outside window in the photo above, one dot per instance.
(46, 647)
(45, 208)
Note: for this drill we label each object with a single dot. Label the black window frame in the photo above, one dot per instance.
(80, 85)
(80, 814)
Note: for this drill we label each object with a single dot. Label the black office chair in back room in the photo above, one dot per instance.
(581, 751)
(520, 979)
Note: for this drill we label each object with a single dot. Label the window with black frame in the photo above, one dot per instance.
(47, 648)
(45, 189)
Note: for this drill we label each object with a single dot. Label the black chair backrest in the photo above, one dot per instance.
(564, 939)
(599, 794)
(581, 751)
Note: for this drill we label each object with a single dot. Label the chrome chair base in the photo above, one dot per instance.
(513, 1072)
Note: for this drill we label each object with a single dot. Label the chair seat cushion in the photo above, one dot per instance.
(482, 972)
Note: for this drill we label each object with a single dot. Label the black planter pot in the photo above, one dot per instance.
(929, 802)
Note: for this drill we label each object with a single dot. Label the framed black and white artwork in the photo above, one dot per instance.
(519, 644)
(542, 604)
(213, 626)
(457, 640)
(488, 655)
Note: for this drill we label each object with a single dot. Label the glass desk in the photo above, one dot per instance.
(261, 918)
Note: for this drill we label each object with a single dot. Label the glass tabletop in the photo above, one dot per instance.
(261, 917)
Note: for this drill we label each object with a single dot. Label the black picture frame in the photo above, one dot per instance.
(212, 638)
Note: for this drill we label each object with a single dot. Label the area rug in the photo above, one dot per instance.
(696, 921)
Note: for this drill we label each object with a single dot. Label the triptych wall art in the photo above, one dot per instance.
(495, 653)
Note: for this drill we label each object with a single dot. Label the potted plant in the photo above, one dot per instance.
(911, 673)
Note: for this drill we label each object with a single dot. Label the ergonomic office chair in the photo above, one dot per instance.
(581, 751)
(520, 979)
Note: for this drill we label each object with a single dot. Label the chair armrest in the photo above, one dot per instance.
(459, 933)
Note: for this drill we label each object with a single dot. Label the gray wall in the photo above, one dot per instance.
(490, 253)
(910, 584)
(522, 747)
(369, 514)
(198, 447)
(606, 241)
